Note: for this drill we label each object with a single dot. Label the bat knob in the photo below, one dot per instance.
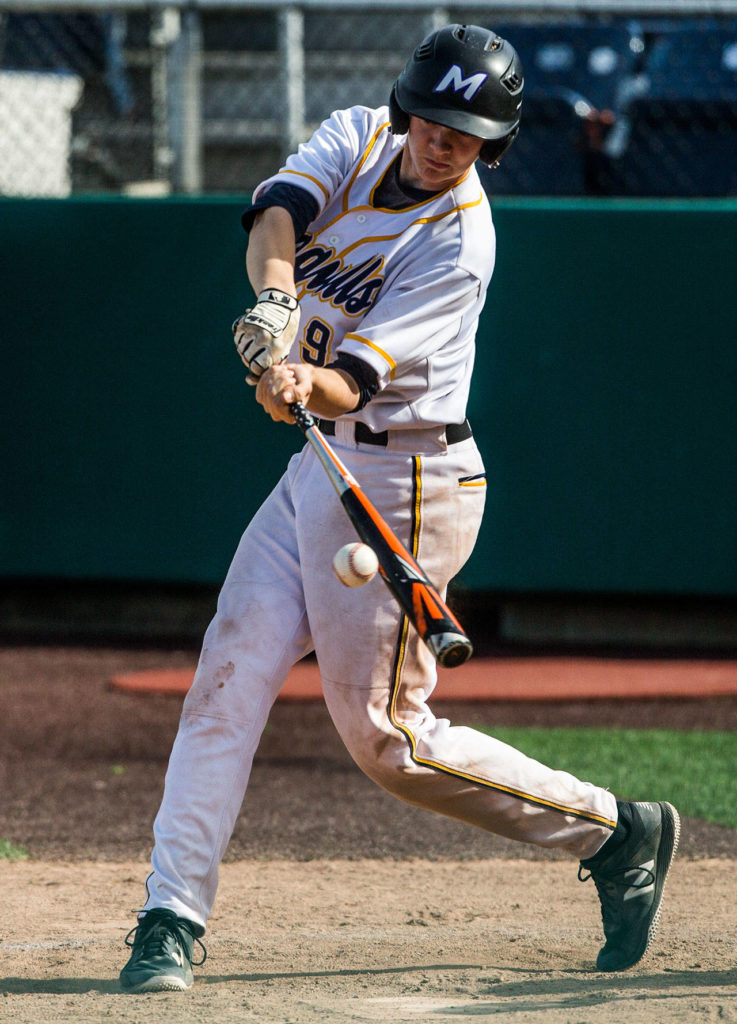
(450, 649)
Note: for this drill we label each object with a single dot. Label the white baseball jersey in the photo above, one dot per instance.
(369, 282)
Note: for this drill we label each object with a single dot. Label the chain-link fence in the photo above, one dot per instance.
(207, 96)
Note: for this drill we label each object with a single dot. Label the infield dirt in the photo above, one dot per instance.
(337, 903)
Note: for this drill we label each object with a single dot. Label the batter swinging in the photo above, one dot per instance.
(370, 253)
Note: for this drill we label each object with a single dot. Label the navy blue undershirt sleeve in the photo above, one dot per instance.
(298, 202)
(364, 375)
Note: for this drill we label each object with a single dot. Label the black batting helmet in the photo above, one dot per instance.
(464, 77)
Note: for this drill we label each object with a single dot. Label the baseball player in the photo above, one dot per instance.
(370, 253)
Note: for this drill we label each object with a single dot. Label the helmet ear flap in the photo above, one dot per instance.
(398, 118)
(494, 149)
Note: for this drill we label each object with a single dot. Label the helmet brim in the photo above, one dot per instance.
(460, 120)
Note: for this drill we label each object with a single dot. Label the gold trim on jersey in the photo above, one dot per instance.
(420, 202)
(301, 174)
(361, 162)
(346, 209)
(382, 238)
(384, 355)
(420, 220)
(396, 685)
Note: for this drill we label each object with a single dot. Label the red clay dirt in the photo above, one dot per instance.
(494, 679)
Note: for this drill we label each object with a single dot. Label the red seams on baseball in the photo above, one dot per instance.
(355, 564)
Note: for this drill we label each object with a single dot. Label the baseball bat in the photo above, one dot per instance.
(427, 611)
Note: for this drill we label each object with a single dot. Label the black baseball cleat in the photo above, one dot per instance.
(630, 880)
(161, 958)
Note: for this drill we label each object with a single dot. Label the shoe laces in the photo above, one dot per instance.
(155, 937)
(610, 883)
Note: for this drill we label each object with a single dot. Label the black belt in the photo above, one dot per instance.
(454, 432)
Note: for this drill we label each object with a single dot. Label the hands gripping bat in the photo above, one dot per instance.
(422, 603)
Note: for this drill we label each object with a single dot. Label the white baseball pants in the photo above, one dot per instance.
(280, 600)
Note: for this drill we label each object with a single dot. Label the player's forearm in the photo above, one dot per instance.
(325, 392)
(334, 392)
(270, 254)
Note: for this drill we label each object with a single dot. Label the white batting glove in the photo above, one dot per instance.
(264, 334)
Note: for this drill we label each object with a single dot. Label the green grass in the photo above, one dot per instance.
(693, 770)
(10, 852)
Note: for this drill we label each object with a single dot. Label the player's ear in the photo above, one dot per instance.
(399, 120)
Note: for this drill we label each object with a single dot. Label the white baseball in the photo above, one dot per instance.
(355, 564)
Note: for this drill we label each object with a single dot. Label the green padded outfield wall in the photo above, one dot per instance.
(604, 395)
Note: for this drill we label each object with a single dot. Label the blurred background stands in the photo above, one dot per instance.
(209, 97)
(680, 133)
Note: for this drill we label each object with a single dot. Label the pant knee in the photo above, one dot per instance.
(380, 748)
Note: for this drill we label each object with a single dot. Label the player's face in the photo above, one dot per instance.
(435, 156)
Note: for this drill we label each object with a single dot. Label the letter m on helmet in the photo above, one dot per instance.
(453, 79)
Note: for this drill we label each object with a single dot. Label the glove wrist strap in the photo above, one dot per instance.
(278, 297)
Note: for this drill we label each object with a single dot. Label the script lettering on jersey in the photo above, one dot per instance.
(453, 78)
(351, 287)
